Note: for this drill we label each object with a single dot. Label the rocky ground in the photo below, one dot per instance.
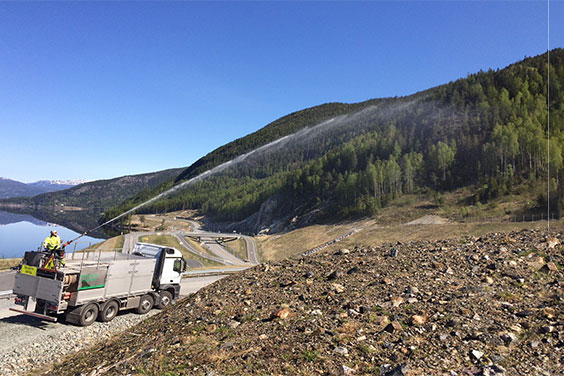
(472, 306)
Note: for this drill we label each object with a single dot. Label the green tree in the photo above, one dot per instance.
(441, 157)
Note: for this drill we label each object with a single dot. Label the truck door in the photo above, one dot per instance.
(171, 272)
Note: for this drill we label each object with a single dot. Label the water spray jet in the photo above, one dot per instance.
(364, 120)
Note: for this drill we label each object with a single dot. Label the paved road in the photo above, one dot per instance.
(128, 243)
(187, 245)
(220, 254)
(191, 285)
(252, 253)
(191, 273)
(7, 282)
(215, 248)
(194, 263)
(208, 241)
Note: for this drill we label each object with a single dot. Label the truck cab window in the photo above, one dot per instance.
(177, 266)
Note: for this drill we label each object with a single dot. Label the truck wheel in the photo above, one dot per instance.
(88, 315)
(145, 304)
(109, 311)
(166, 300)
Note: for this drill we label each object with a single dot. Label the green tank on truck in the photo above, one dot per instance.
(97, 285)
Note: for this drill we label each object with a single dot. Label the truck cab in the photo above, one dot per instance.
(169, 266)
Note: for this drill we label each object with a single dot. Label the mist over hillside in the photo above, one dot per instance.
(487, 130)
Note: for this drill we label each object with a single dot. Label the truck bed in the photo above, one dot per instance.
(94, 276)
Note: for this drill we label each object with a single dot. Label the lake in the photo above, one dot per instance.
(22, 232)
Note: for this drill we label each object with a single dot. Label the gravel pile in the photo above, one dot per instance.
(489, 306)
(29, 343)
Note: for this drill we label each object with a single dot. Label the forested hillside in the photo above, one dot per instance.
(488, 130)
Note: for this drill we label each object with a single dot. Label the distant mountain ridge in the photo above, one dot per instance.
(69, 183)
(99, 194)
(12, 188)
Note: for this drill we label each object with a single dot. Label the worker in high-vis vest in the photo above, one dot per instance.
(52, 243)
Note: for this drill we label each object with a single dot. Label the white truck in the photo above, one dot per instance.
(98, 284)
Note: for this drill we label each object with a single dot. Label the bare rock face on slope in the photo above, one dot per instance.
(469, 306)
(273, 216)
(267, 217)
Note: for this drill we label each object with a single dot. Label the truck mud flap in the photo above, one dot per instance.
(38, 315)
(73, 316)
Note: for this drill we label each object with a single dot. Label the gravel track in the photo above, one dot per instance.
(27, 342)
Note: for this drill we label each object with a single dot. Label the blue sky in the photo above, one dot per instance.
(96, 90)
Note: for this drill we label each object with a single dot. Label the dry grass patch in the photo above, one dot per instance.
(165, 240)
(7, 263)
(198, 247)
(293, 243)
(390, 234)
(111, 244)
(278, 247)
(237, 247)
(168, 221)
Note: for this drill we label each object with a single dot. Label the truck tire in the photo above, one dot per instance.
(109, 311)
(166, 300)
(145, 304)
(88, 315)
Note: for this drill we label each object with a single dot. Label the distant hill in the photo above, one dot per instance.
(100, 194)
(11, 188)
(487, 131)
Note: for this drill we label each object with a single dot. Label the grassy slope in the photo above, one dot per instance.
(112, 244)
(198, 246)
(389, 225)
(291, 123)
(166, 222)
